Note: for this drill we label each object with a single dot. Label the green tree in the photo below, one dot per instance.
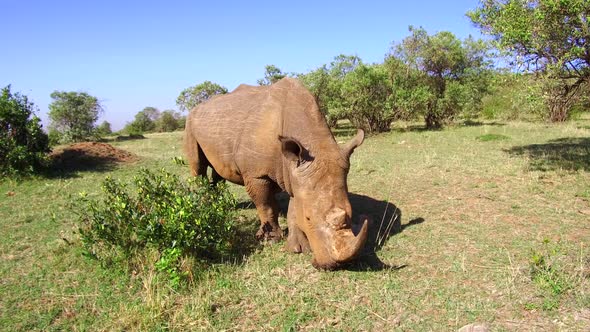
(325, 83)
(73, 115)
(366, 98)
(272, 74)
(319, 82)
(142, 122)
(168, 121)
(104, 128)
(151, 113)
(344, 64)
(549, 37)
(452, 72)
(193, 96)
(23, 144)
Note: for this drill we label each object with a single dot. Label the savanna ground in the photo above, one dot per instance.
(494, 228)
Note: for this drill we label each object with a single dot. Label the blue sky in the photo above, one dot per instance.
(133, 54)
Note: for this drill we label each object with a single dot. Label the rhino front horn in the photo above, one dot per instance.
(346, 245)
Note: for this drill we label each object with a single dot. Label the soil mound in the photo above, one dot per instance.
(88, 155)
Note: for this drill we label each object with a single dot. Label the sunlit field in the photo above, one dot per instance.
(490, 220)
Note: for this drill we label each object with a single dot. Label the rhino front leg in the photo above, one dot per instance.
(296, 241)
(262, 192)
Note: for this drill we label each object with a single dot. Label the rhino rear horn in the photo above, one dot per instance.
(356, 141)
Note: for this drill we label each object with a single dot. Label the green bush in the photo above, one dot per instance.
(367, 98)
(23, 144)
(175, 218)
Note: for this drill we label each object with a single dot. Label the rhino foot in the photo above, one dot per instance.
(297, 241)
(268, 232)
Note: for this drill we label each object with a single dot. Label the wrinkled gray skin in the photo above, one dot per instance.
(272, 139)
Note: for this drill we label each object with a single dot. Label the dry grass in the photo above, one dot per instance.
(475, 216)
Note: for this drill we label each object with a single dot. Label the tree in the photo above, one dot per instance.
(73, 115)
(151, 113)
(104, 128)
(318, 82)
(168, 121)
(272, 74)
(23, 144)
(142, 122)
(366, 98)
(325, 83)
(448, 70)
(193, 96)
(548, 37)
(344, 64)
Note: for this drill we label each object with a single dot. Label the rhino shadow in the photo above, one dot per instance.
(384, 222)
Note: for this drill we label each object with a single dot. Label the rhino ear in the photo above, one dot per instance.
(357, 140)
(291, 149)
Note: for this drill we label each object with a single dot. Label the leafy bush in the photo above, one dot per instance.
(174, 217)
(23, 144)
(513, 97)
(367, 98)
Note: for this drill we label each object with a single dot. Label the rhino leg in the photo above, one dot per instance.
(262, 192)
(296, 241)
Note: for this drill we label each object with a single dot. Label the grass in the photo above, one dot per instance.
(492, 232)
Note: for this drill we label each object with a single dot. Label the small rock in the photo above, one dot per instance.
(475, 327)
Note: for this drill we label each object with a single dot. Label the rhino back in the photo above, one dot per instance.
(238, 132)
(235, 131)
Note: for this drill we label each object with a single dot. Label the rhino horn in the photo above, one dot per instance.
(345, 246)
(357, 140)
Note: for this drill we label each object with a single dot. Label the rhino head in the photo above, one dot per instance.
(321, 209)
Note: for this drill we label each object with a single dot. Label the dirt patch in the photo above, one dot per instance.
(89, 155)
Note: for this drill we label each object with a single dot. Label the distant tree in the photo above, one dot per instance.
(448, 70)
(272, 74)
(23, 144)
(193, 96)
(73, 115)
(319, 82)
(104, 128)
(142, 122)
(181, 122)
(168, 121)
(325, 83)
(344, 64)
(151, 113)
(548, 37)
(366, 97)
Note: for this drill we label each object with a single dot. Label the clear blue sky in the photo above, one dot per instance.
(133, 54)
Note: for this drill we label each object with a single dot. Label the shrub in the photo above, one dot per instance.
(23, 144)
(367, 98)
(173, 217)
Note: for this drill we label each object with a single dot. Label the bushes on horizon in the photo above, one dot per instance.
(23, 144)
(159, 212)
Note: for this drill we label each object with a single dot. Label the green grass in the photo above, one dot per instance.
(492, 137)
(491, 232)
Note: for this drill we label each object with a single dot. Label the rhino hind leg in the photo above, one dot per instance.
(198, 162)
(262, 192)
(297, 242)
(196, 158)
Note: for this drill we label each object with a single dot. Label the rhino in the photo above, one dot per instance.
(272, 139)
